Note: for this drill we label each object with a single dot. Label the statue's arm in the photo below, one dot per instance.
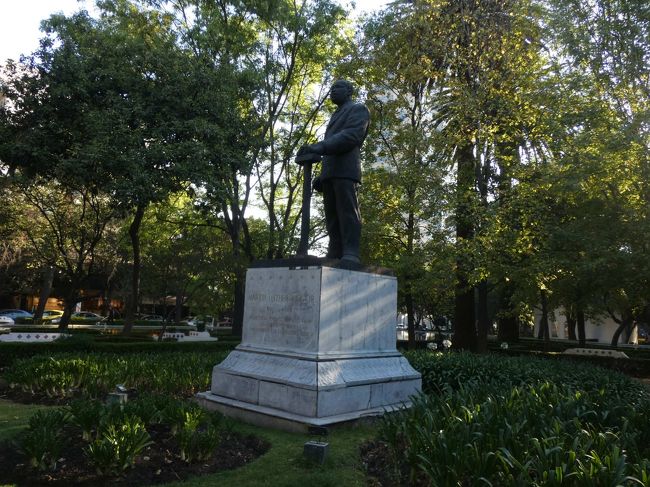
(352, 135)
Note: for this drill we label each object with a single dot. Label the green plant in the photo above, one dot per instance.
(199, 434)
(505, 421)
(87, 414)
(197, 444)
(118, 445)
(177, 412)
(181, 374)
(148, 407)
(43, 441)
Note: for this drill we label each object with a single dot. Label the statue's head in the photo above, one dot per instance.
(341, 91)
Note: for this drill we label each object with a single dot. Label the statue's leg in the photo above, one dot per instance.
(334, 248)
(349, 217)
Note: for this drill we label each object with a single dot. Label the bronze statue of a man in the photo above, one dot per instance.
(341, 171)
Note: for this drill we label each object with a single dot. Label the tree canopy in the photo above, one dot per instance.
(507, 167)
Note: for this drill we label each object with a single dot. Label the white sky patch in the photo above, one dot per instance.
(20, 23)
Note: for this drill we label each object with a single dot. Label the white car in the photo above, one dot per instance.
(6, 321)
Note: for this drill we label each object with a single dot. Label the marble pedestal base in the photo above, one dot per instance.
(318, 347)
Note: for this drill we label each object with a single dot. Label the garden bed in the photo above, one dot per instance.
(149, 440)
(159, 463)
(499, 420)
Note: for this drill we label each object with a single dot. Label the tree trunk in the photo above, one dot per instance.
(571, 325)
(134, 233)
(617, 334)
(508, 326)
(483, 318)
(178, 306)
(464, 314)
(46, 288)
(546, 335)
(68, 309)
(580, 316)
(625, 324)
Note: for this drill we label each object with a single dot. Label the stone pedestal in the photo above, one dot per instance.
(318, 347)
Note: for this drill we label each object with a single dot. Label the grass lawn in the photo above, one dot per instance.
(14, 417)
(282, 465)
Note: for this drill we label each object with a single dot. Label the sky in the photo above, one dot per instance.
(20, 21)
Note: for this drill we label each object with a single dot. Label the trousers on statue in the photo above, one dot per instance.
(342, 218)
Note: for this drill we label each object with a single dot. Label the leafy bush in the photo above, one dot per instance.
(79, 345)
(44, 441)
(118, 446)
(149, 408)
(115, 434)
(443, 372)
(178, 414)
(502, 421)
(87, 414)
(94, 375)
(198, 435)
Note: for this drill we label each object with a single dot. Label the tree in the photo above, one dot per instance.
(471, 59)
(64, 228)
(279, 49)
(114, 105)
(403, 194)
(186, 258)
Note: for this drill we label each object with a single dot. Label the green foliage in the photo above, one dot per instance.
(10, 352)
(115, 434)
(507, 421)
(87, 415)
(185, 257)
(118, 445)
(94, 375)
(449, 372)
(199, 435)
(148, 407)
(44, 440)
(179, 413)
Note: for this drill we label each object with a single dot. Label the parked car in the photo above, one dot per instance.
(201, 322)
(6, 320)
(49, 315)
(16, 314)
(85, 318)
(226, 322)
(152, 318)
(82, 318)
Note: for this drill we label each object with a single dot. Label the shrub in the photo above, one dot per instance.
(87, 414)
(178, 414)
(94, 375)
(199, 435)
(118, 446)
(503, 421)
(10, 352)
(44, 441)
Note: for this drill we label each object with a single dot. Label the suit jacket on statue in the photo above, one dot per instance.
(346, 131)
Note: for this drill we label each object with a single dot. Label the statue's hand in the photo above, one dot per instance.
(311, 149)
(309, 153)
(317, 184)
